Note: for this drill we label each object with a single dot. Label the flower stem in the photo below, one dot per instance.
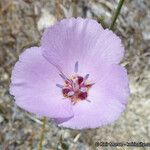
(42, 134)
(116, 14)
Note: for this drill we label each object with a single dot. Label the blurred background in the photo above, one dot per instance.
(21, 25)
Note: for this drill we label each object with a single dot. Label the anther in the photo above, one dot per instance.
(88, 100)
(63, 76)
(85, 78)
(89, 85)
(60, 86)
(76, 67)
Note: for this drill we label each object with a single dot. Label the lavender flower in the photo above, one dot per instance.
(74, 77)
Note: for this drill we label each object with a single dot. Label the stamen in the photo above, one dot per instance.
(60, 86)
(85, 78)
(89, 85)
(74, 102)
(63, 76)
(76, 88)
(88, 100)
(76, 67)
(92, 84)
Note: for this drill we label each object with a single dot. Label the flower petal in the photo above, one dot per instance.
(108, 100)
(82, 40)
(112, 80)
(69, 41)
(108, 48)
(33, 84)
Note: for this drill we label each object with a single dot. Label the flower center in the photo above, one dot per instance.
(75, 88)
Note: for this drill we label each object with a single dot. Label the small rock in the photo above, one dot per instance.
(46, 20)
(1, 119)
